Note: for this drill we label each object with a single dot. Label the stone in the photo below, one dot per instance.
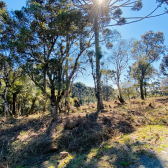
(63, 155)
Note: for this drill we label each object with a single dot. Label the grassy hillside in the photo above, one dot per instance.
(117, 137)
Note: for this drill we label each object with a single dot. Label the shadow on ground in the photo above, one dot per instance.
(84, 137)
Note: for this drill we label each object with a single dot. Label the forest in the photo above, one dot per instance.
(45, 113)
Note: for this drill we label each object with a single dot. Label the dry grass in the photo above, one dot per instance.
(113, 137)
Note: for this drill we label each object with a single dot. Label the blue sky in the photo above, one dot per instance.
(127, 31)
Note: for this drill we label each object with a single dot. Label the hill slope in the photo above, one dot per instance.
(130, 135)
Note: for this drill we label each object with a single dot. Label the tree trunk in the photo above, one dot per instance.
(120, 95)
(98, 74)
(45, 84)
(20, 107)
(6, 107)
(128, 95)
(141, 89)
(67, 95)
(32, 107)
(145, 92)
(14, 104)
(53, 104)
(67, 101)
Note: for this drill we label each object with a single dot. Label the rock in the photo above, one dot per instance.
(63, 155)
(51, 148)
(70, 124)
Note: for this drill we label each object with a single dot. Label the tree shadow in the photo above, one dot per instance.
(84, 137)
(88, 133)
(17, 146)
(163, 101)
(117, 156)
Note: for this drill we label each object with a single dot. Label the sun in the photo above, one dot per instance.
(100, 1)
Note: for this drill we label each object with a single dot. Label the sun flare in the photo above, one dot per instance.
(100, 1)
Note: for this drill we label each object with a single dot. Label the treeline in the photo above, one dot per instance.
(86, 94)
(46, 45)
(129, 90)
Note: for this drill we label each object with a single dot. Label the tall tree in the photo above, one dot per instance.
(164, 65)
(164, 85)
(119, 57)
(8, 58)
(54, 33)
(128, 88)
(141, 70)
(146, 51)
(100, 13)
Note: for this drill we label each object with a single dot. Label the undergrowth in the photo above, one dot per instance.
(114, 138)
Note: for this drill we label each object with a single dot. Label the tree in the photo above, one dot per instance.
(100, 16)
(146, 51)
(9, 71)
(164, 65)
(128, 89)
(155, 88)
(54, 34)
(140, 71)
(164, 86)
(119, 57)
(107, 92)
(85, 94)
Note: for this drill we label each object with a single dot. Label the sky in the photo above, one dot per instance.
(134, 30)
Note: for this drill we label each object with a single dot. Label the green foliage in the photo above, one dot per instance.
(137, 6)
(164, 85)
(84, 93)
(141, 70)
(146, 51)
(164, 65)
(151, 46)
(2, 4)
(154, 88)
(46, 39)
(107, 93)
(128, 90)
